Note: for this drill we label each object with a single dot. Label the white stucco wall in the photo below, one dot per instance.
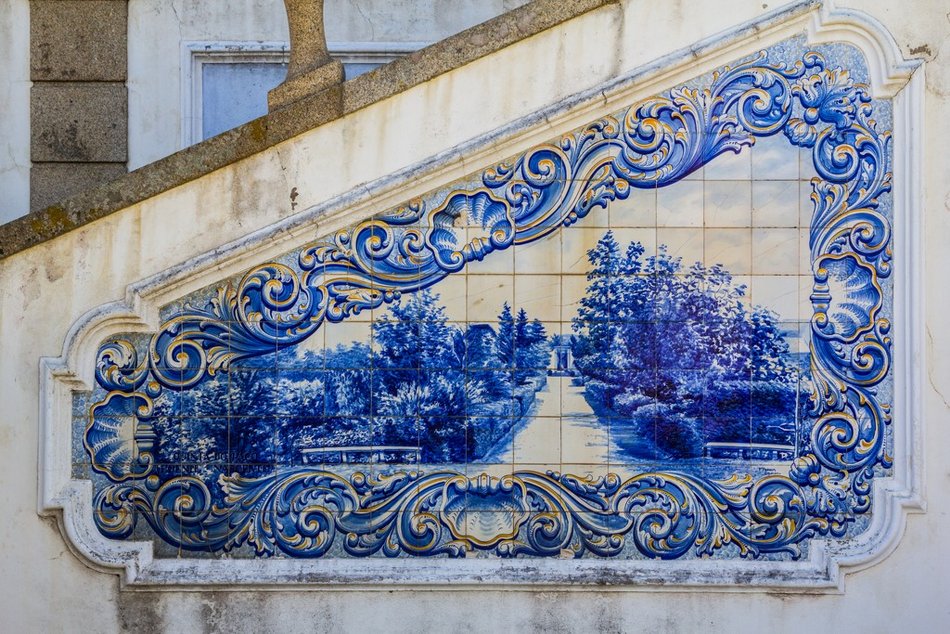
(15, 109)
(47, 288)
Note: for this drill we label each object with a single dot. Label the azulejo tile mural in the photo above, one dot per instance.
(662, 335)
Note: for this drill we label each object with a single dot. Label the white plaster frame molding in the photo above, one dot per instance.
(195, 54)
(827, 562)
(372, 52)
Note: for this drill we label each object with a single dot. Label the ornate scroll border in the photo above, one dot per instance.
(300, 511)
(844, 443)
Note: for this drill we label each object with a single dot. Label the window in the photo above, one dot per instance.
(225, 84)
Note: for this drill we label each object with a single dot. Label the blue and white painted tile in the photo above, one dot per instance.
(682, 355)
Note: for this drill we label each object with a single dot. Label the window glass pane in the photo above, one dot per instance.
(356, 68)
(233, 94)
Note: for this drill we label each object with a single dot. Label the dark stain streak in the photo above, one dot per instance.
(139, 612)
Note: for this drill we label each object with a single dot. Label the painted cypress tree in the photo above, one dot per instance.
(505, 338)
(595, 323)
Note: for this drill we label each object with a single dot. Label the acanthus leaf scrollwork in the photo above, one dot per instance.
(304, 512)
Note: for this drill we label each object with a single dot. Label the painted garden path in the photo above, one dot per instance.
(562, 430)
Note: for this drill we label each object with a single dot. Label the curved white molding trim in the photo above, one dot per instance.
(888, 69)
(827, 561)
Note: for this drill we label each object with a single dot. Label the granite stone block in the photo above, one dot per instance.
(52, 182)
(79, 122)
(78, 40)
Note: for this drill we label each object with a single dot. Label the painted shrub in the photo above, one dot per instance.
(675, 355)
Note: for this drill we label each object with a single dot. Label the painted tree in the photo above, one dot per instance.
(678, 351)
(593, 345)
(420, 388)
(532, 349)
(416, 334)
(481, 351)
(505, 339)
(423, 383)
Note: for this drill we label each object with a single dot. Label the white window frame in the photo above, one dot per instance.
(195, 54)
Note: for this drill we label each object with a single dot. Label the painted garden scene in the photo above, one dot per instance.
(672, 333)
(662, 362)
(657, 360)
